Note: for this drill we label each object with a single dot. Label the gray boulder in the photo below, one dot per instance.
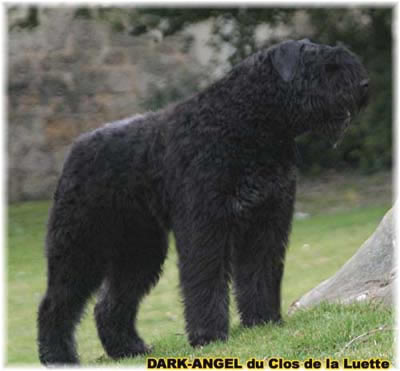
(368, 275)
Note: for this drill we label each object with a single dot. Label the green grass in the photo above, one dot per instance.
(318, 333)
(319, 245)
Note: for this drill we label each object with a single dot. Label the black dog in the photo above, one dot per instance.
(218, 170)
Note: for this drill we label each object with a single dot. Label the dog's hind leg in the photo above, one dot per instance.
(134, 267)
(74, 273)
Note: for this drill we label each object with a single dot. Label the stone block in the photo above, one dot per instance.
(91, 105)
(37, 161)
(61, 130)
(25, 129)
(14, 186)
(90, 82)
(59, 157)
(20, 70)
(16, 90)
(92, 121)
(117, 106)
(68, 104)
(59, 62)
(125, 40)
(52, 86)
(88, 35)
(115, 57)
(23, 42)
(138, 54)
(38, 187)
(57, 23)
(120, 81)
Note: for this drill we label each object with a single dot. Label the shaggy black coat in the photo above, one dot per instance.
(219, 171)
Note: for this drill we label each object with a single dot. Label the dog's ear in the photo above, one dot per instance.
(285, 58)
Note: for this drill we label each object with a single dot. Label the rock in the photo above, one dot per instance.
(368, 275)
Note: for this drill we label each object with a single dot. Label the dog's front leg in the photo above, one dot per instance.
(204, 268)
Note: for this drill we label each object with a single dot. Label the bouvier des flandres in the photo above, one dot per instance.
(218, 169)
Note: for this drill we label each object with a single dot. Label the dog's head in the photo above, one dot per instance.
(320, 88)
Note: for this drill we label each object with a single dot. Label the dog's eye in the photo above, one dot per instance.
(331, 68)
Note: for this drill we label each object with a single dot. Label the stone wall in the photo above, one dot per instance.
(70, 75)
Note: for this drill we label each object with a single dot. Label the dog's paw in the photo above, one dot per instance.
(258, 321)
(133, 350)
(203, 338)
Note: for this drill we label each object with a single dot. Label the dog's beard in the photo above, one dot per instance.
(337, 129)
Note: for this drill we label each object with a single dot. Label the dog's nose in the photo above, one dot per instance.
(364, 83)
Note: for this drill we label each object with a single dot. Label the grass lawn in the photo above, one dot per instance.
(319, 245)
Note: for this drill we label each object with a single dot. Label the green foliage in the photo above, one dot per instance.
(28, 22)
(83, 13)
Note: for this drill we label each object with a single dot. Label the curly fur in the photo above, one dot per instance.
(219, 171)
